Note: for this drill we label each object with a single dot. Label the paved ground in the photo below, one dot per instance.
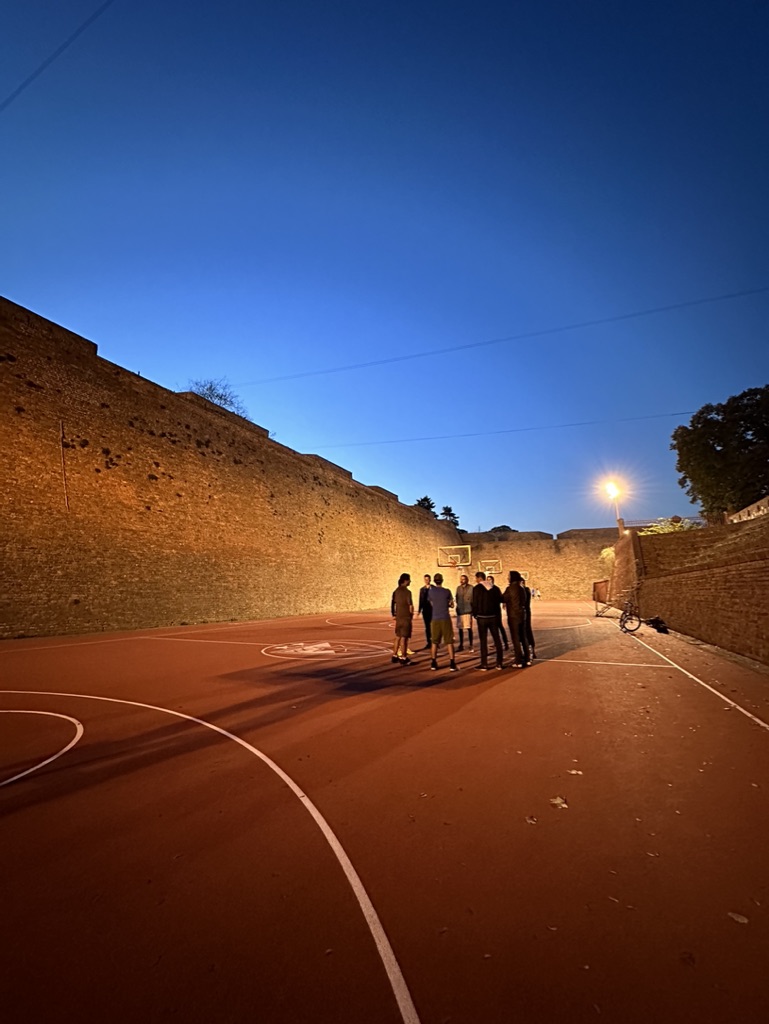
(270, 822)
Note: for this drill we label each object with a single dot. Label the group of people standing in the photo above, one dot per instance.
(482, 603)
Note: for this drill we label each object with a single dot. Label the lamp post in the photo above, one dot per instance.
(613, 493)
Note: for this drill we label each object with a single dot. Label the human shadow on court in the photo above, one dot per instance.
(296, 693)
(295, 690)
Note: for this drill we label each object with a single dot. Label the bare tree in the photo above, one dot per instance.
(220, 392)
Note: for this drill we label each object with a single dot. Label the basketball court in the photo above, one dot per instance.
(269, 821)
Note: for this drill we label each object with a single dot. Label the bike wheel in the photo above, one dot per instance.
(630, 622)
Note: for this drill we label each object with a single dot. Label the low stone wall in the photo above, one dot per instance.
(712, 584)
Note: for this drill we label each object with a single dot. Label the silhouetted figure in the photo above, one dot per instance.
(486, 611)
(402, 610)
(516, 599)
(490, 583)
(425, 609)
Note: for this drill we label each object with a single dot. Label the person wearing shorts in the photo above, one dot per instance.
(441, 629)
(464, 603)
(402, 610)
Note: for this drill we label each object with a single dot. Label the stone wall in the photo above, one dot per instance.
(124, 505)
(712, 584)
(563, 567)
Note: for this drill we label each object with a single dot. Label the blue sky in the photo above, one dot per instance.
(257, 191)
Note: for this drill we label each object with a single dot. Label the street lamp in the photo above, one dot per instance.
(613, 492)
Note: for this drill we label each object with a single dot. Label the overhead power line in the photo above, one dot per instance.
(524, 335)
(56, 53)
(508, 430)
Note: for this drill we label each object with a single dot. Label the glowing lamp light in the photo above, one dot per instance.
(613, 492)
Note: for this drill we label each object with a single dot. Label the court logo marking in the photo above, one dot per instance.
(327, 649)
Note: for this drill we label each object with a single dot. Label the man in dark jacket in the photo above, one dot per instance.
(425, 609)
(486, 611)
(516, 601)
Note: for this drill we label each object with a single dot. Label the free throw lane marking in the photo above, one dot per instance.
(51, 714)
(392, 968)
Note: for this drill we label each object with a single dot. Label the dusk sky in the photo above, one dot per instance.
(278, 193)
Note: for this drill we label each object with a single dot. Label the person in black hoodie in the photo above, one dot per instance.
(486, 612)
(490, 585)
(516, 600)
(425, 609)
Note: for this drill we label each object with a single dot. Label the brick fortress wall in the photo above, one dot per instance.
(712, 584)
(562, 567)
(124, 505)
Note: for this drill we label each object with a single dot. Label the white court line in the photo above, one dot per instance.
(260, 643)
(392, 968)
(371, 625)
(51, 714)
(553, 629)
(194, 640)
(52, 647)
(619, 664)
(731, 703)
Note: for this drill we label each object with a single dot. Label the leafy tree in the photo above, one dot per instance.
(673, 524)
(448, 513)
(502, 529)
(219, 392)
(723, 455)
(427, 503)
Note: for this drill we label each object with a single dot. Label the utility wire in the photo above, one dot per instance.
(508, 430)
(56, 53)
(544, 332)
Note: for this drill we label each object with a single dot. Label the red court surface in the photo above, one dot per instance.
(270, 822)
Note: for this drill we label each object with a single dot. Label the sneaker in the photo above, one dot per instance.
(395, 659)
(453, 666)
(434, 665)
(483, 668)
(471, 650)
(499, 667)
(409, 653)
(406, 661)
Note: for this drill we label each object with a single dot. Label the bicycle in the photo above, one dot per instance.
(629, 620)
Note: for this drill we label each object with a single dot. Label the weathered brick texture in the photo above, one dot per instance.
(561, 568)
(712, 584)
(124, 505)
